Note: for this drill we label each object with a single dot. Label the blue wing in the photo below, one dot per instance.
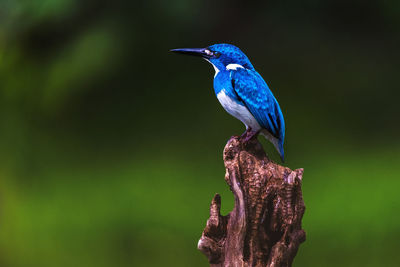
(258, 98)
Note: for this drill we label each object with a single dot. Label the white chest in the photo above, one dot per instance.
(237, 110)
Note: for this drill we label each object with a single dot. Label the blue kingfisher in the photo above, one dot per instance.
(243, 92)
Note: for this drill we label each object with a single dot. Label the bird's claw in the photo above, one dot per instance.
(248, 135)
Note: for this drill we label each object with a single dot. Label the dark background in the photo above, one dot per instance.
(111, 147)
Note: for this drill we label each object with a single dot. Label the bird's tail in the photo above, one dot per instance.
(278, 144)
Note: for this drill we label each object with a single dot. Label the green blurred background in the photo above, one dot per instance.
(111, 147)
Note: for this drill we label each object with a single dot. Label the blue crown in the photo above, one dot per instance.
(229, 54)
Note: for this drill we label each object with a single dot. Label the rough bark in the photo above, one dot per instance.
(264, 228)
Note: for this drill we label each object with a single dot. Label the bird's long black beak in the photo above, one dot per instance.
(200, 52)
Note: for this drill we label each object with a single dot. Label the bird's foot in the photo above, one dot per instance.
(248, 135)
(248, 129)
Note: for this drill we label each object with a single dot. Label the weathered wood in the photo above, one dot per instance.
(264, 228)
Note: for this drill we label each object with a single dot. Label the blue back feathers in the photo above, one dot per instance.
(258, 98)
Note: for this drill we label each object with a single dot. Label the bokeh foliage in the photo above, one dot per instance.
(111, 146)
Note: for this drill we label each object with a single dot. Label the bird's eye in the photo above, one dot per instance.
(208, 52)
(212, 54)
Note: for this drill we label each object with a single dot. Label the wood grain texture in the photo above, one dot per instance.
(264, 228)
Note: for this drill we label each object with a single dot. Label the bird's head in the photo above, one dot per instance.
(222, 56)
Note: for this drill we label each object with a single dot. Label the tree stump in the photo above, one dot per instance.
(264, 228)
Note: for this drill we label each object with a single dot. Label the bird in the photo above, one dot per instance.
(243, 93)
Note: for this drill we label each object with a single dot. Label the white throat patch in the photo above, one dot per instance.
(234, 66)
(215, 68)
